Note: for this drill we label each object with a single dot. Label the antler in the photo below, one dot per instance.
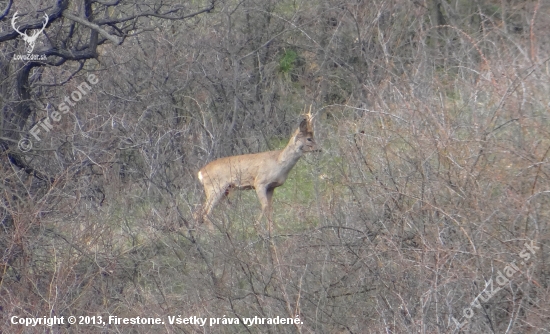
(30, 40)
(24, 33)
(43, 26)
(308, 115)
(13, 24)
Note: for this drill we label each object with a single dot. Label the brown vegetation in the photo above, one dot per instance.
(434, 178)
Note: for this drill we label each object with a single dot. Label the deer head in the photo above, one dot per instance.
(303, 137)
(30, 40)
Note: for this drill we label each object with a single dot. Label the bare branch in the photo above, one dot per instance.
(159, 15)
(95, 27)
(60, 6)
(6, 10)
(107, 3)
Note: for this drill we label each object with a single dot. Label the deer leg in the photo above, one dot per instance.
(269, 209)
(265, 196)
(212, 198)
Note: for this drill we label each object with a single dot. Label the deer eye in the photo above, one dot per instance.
(309, 139)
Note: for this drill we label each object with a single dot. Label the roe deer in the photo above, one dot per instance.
(260, 171)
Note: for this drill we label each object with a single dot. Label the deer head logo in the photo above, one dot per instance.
(30, 40)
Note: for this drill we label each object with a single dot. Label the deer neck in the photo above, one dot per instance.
(289, 155)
